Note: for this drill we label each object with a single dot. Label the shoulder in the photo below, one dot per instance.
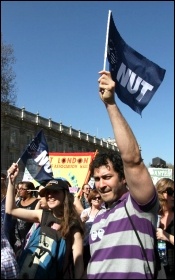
(31, 204)
(34, 201)
(47, 217)
(76, 226)
(86, 210)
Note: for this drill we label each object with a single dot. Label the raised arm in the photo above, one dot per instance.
(24, 214)
(137, 176)
(78, 205)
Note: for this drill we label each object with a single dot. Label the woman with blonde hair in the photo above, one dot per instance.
(165, 189)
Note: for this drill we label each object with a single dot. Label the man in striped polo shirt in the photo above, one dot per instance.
(122, 178)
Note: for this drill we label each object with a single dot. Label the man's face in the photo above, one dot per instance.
(108, 184)
(86, 189)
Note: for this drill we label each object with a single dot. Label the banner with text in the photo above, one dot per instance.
(74, 167)
(158, 173)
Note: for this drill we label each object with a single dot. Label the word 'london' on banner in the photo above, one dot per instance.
(136, 77)
(74, 167)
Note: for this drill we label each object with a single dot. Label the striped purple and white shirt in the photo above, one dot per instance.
(115, 249)
(9, 266)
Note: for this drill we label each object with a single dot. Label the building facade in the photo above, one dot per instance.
(19, 127)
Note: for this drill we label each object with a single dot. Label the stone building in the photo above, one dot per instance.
(19, 127)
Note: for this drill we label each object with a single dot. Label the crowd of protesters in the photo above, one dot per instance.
(123, 192)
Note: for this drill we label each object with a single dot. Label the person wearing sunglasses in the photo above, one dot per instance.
(26, 200)
(95, 202)
(62, 218)
(165, 190)
(87, 216)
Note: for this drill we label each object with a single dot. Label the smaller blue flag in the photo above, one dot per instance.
(136, 77)
(36, 158)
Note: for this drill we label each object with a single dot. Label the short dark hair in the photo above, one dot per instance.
(103, 158)
(28, 184)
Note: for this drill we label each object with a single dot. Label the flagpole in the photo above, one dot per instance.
(79, 193)
(25, 151)
(16, 163)
(107, 35)
(88, 174)
(18, 160)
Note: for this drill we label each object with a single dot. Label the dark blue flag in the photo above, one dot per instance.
(36, 159)
(137, 78)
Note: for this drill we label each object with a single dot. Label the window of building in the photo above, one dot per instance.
(13, 137)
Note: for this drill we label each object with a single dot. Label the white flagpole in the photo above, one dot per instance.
(107, 35)
(16, 163)
(24, 151)
(18, 160)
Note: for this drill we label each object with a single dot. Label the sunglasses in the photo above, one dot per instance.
(97, 198)
(169, 191)
(22, 189)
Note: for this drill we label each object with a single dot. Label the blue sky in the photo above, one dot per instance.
(59, 50)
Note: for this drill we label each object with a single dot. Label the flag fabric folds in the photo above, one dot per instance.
(36, 158)
(137, 78)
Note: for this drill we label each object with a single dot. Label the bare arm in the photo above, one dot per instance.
(77, 249)
(137, 176)
(24, 214)
(163, 235)
(78, 205)
(38, 205)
